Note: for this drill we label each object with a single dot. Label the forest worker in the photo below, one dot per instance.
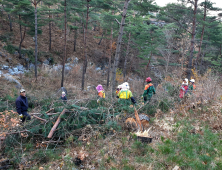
(125, 94)
(101, 93)
(183, 88)
(149, 90)
(22, 106)
(63, 97)
(118, 89)
(192, 86)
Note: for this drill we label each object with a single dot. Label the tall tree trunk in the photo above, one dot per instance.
(64, 58)
(101, 39)
(50, 31)
(10, 22)
(190, 61)
(126, 57)
(75, 37)
(85, 52)
(22, 37)
(110, 56)
(202, 33)
(36, 44)
(201, 64)
(119, 41)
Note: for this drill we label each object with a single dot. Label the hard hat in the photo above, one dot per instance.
(63, 92)
(186, 80)
(119, 86)
(192, 80)
(148, 79)
(126, 84)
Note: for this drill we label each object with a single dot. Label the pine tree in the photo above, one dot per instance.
(23, 10)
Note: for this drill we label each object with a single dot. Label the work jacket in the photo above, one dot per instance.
(183, 91)
(125, 94)
(21, 104)
(149, 90)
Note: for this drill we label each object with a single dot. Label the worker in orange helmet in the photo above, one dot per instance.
(149, 90)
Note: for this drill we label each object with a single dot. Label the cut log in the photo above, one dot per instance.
(49, 114)
(46, 142)
(56, 124)
(39, 118)
(138, 120)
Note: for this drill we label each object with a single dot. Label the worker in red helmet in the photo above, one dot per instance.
(149, 90)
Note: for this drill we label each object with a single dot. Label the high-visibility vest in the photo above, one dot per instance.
(101, 94)
(147, 86)
(125, 94)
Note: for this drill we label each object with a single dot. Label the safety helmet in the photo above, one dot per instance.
(63, 93)
(119, 86)
(192, 80)
(125, 86)
(148, 79)
(186, 80)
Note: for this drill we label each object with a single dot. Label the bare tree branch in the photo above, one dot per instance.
(117, 21)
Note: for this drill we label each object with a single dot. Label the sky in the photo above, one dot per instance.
(218, 3)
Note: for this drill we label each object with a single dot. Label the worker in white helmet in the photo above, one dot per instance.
(192, 85)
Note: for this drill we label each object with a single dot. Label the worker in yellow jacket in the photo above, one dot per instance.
(125, 93)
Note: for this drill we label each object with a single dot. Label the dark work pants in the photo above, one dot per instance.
(26, 116)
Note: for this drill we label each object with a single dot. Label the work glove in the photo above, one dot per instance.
(142, 97)
(21, 116)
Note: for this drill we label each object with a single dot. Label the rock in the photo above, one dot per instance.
(20, 67)
(75, 61)
(68, 68)
(176, 168)
(3, 55)
(57, 68)
(15, 69)
(69, 59)
(46, 62)
(5, 67)
(22, 56)
(16, 53)
(31, 66)
(88, 88)
(98, 68)
(12, 79)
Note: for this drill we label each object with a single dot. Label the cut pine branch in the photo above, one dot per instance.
(56, 124)
(49, 110)
(39, 118)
